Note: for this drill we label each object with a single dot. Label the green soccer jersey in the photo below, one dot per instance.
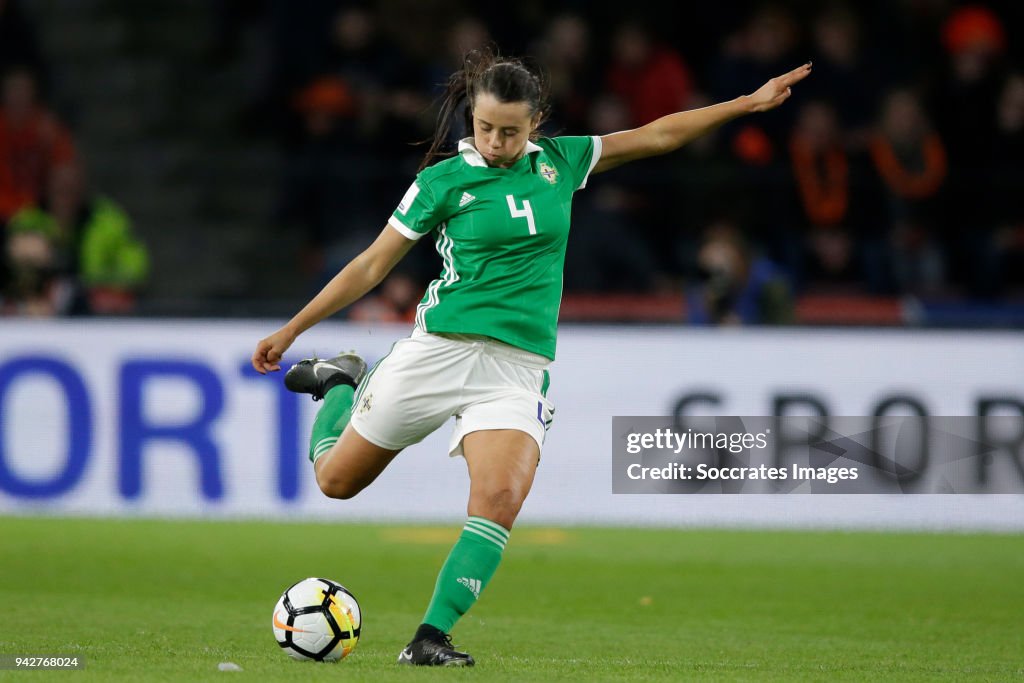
(502, 234)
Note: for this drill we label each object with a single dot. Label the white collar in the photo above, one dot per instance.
(473, 157)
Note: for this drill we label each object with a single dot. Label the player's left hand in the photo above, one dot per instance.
(777, 90)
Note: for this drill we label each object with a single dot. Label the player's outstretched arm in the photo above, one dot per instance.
(671, 132)
(361, 275)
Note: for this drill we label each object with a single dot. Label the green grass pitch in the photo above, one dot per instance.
(168, 601)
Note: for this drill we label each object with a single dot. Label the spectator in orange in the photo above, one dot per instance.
(32, 143)
(979, 48)
(910, 158)
(321, 103)
(652, 79)
(965, 102)
(316, 197)
(821, 168)
(820, 165)
(973, 35)
(908, 154)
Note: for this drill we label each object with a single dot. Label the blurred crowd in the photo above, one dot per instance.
(64, 247)
(894, 170)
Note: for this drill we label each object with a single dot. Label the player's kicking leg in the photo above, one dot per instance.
(345, 462)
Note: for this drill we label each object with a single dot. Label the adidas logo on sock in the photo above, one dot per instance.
(472, 584)
(466, 199)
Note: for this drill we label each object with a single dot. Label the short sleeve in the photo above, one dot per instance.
(582, 153)
(418, 213)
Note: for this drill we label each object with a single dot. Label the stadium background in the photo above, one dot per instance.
(193, 171)
(221, 160)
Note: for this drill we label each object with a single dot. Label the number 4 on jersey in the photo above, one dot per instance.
(525, 212)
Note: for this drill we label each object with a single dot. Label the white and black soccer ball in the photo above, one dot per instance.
(317, 619)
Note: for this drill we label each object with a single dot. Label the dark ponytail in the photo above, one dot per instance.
(484, 71)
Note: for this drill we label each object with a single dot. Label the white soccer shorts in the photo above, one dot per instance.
(428, 378)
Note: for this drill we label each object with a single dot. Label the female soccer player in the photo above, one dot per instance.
(485, 328)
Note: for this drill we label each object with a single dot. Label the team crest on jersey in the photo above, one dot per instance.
(549, 173)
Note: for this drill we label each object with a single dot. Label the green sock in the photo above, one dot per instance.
(330, 422)
(466, 572)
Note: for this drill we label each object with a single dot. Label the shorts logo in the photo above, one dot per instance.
(549, 173)
(365, 404)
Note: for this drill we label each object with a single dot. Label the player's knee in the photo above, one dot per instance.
(500, 505)
(334, 486)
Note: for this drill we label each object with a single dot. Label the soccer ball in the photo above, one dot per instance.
(317, 619)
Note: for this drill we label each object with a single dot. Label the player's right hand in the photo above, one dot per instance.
(269, 352)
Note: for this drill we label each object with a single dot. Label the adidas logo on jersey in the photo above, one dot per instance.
(466, 199)
(472, 584)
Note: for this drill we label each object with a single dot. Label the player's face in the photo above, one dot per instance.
(501, 129)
